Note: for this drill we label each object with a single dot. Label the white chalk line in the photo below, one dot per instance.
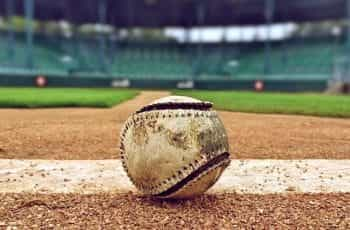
(242, 176)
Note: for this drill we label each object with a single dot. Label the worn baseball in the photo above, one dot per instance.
(175, 147)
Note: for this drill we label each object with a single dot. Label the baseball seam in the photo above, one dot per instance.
(196, 174)
(223, 163)
(203, 106)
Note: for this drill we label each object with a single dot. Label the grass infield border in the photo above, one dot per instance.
(275, 103)
(63, 97)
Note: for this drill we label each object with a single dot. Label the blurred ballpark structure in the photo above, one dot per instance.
(124, 44)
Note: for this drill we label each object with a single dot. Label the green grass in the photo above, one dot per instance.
(282, 103)
(62, 97)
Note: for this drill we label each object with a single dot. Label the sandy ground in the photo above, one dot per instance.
(94, 133)
(286, 136)
(71, 133)
(127, 211)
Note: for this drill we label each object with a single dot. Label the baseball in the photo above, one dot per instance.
(175, 147)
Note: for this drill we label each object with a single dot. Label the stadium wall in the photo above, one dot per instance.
(106, 82)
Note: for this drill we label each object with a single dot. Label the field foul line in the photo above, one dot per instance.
(242, 176)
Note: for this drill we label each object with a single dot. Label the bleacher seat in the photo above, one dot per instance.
(174, 61)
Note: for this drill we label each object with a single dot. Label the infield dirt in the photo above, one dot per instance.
(87, 133)
(225, 211)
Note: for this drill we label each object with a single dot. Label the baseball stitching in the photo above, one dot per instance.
(223, 163)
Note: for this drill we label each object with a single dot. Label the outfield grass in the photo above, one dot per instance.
(282, 103)
(62, 97)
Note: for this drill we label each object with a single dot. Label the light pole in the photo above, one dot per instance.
(269, 10)
(10, 31)
(29, 12)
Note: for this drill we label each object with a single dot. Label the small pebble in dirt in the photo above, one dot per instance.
(291, 189)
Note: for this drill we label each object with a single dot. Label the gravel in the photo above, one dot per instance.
(130, 211)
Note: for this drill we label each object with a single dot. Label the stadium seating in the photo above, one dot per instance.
(151, 62)
(311, 59)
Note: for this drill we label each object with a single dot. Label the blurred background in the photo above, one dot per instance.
(273, 45)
